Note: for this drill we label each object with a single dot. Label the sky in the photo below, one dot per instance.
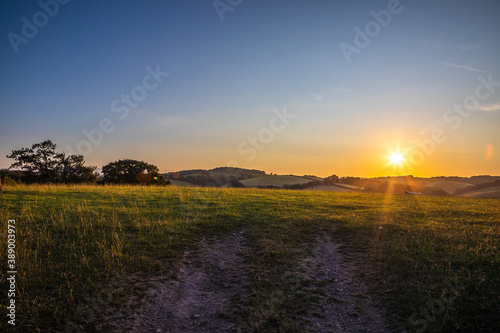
(290, 87)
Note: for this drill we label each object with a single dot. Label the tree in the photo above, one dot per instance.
(236, 183)
(132, 172)
(72, 170)
(42, 163)
(39, 161)
(331, 179)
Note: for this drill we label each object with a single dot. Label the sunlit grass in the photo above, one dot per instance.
(73, 240)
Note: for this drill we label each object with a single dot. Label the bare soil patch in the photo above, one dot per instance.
(212, 283)
(199, 298)
(345, 303)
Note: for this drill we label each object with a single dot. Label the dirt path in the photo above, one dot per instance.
(345, 304)
(213, 281)
(200, 296)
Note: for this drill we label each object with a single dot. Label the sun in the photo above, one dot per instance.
(396, 158)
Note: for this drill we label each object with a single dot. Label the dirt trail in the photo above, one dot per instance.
(345, 304)
(197, 299)
(213, 281)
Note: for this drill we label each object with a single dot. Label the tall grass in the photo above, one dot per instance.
(73, 242)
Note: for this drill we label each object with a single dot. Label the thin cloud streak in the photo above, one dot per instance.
(344, 90)
(468, 68)
(489, 108)
(316, 97)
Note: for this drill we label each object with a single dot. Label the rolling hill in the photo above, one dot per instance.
(330, 188)
(489, 192)
(449, 186)
(277, 181)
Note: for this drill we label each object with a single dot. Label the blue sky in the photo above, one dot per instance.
(227, 76)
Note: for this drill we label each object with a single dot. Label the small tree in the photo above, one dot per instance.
(39, 161)
(331, 179)
(132, 172)
(72, 170)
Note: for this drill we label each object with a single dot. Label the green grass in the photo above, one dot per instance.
(180, 183)
(434, 261)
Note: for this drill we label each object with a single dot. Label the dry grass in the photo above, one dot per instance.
(74, 242)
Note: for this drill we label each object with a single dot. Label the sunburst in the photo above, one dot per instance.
(396, 158)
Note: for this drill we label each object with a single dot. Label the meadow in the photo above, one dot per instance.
(82, 252)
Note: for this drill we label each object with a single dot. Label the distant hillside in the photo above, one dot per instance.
(276, 181)
(477, 180)
(429, 186)
(239, 172)
(330, 188)
(313, 177)
(489, 192)
(240, 177)
(217, 177)
(449, 186)
(479, 190)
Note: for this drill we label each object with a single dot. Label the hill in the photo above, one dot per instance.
(276, 181)
(449, 186)
(489, 192)
(226, 177)
(483, 190)
(218, 177)
(331, 188)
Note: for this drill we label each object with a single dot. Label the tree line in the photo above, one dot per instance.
(43, 164)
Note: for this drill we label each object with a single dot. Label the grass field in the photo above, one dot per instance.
(180, 183)
(83, 251)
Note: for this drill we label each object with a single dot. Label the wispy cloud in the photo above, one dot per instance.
(468, 68)
(149, 119)
(316, 97)
(170, 121)
(344, 90)
(490, 107)
(461, 47)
